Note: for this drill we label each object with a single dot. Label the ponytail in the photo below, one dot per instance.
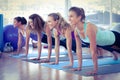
(62, 24)
(21, 19)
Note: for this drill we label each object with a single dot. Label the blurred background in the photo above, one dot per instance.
(104, 13)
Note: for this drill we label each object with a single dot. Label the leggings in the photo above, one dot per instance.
(63, 42)
(108, 48)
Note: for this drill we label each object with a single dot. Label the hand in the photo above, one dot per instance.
(76, 69)
(45, 61)
(15, 53)
(53, 63)
(94, 72)
(68, 66)
(35, 59)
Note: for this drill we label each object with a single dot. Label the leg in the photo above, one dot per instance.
(113, 51)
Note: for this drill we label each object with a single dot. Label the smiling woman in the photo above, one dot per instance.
(88, 33)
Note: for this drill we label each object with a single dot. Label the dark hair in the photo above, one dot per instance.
(55, 16)
(79, 12)
(21, 19)
(38, 22)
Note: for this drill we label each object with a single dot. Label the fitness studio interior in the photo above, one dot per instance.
(59, 40)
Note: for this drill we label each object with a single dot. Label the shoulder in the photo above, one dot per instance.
(91, 27)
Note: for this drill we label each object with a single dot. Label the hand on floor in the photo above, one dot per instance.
(36, 59)
(45, 61)
(92, 72)
(68, 66)
(76, 69)
(53, 63)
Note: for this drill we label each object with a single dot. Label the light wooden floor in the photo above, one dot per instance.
(16, 69)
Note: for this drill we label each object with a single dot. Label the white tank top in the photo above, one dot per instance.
(61, 36)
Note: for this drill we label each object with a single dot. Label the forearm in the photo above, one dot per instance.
(39, 50)
(69, 48)
(57, 48)
(19, 42)
(27, 48)
(49, 47)
(49, 51)
(19, 47)
(79, 56)
(95, 60)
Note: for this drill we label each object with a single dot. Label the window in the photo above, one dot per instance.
(25, 8)
(96, 11)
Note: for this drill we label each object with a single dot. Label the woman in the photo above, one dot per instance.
(20, 23)
(92, 35)
(61, 30)
(36, 25)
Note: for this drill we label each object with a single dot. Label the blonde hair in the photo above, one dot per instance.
(62, 23)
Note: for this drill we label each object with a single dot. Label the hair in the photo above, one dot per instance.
(21, 19)
(79, 12)
(55, 16)
(62, 24)
(38, 22)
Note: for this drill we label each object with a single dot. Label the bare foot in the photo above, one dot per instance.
(53, 63)
(76, 69)
(115, 57)
(92, 72)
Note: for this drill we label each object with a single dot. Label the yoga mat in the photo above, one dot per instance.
(102, 70)
(87, 65)
(61, 58)
(44, 52)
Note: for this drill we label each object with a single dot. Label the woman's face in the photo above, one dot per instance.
(51, 22)
(16, 23)
(73, 18)
(31, 23)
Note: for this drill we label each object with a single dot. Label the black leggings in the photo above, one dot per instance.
(117, 39)
(63, 42)
(108, 48)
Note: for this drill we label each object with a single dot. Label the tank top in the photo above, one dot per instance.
(103, 37)
(22, 32)
(60, 36)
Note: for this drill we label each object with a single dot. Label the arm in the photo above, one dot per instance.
(69, 45)
(27, 41)
(49, 40)
(57, 44)
(39, 45)
(91, 33)
(78, 50)
(19, 42)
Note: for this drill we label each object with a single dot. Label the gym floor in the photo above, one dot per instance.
(16, 69)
